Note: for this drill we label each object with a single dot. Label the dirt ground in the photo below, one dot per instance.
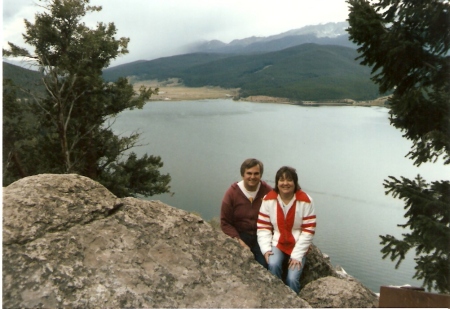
(172, 90)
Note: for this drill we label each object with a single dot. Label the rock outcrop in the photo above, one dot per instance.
(331, 292)
(69, 242)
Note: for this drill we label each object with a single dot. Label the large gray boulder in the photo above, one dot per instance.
(69, 242)
(317, 266)
(331, 292)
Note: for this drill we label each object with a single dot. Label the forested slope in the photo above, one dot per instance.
(304, 72)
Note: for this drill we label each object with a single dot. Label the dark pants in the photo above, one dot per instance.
(252, 242)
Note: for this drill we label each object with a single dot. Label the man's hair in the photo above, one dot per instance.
(249, 163)
(287, 172)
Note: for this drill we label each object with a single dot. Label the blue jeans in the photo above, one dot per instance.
(252, 242)
(277, 261)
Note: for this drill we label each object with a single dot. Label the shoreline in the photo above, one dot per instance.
(344, 102)
(173, 90)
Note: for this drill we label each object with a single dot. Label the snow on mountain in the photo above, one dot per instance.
(322, 31)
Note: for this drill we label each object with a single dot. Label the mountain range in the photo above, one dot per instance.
(323, 34)
(310, 63)
(307, 64)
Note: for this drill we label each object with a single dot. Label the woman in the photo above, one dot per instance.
(286, 226)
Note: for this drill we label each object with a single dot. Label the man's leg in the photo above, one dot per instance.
(252, 242)
(259, 257)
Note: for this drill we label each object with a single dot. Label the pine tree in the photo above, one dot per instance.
(78, 107)
(406, 43)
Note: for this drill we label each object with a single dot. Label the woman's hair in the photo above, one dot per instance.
(287, 172)
(249, 163)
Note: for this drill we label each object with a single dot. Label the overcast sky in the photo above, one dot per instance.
(158, 28)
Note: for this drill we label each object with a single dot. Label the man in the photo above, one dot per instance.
(240, 207)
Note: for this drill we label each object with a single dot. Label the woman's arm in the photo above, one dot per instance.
(308, 229)
(264, 228)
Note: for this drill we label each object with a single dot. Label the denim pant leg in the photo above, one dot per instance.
(293, 277)
(276, 261)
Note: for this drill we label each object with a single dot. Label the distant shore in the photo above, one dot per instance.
(345, 102)
(173, 90)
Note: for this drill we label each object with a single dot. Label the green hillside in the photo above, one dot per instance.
(304, 72)
(161, 68)
(27, 79)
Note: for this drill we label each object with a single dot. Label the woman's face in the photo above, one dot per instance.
(286, 185)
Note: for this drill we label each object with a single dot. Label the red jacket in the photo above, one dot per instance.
(238, 214)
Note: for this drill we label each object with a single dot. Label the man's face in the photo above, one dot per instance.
(252, 177)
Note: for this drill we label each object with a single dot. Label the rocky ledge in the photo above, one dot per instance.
(69, 242)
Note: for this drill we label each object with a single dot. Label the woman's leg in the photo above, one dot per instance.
(276, 262)
(293, 277)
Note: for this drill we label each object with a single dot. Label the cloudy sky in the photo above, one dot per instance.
(159, 28)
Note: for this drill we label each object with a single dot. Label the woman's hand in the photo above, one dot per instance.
(293, 264)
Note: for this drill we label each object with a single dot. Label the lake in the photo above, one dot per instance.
(342, 155)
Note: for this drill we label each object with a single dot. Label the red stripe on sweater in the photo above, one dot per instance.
(263, 222)
(310, 217)
(308, 231)
(264, 228)
(264, 215)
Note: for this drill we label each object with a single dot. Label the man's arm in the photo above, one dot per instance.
(227, 215)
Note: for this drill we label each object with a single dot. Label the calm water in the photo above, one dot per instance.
(342, 156)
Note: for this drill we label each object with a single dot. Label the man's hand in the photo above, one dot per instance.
(266, 256)
(243, 244)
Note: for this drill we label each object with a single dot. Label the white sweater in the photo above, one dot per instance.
(292, 233)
